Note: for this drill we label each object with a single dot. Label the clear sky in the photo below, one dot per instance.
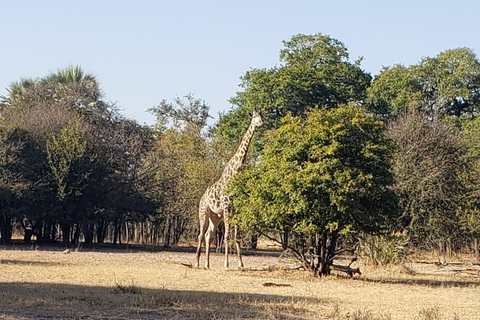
(144, 51)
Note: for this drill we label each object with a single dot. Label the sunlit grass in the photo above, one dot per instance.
(134, 284)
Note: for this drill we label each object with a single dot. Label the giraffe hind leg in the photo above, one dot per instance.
(208, 237)
(239, 250)
(201, 237)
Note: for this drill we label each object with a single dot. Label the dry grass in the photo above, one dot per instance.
(129, 284)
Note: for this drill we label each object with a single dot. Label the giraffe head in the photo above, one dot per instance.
(257, 118)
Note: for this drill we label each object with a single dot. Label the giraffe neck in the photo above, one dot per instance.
(236, 162)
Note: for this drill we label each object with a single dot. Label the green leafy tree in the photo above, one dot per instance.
(127, 185)
(66, 152)
(314, 71)
(447, 84)
(184, 165)
(63, 150)
(72, 87)
(182, 113)
(469, 212)
(12, 186)
(38, 115)
(317, 177)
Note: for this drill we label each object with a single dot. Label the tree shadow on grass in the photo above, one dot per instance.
(27, 263)
(62, 301)
(122, 248)
(418, 282)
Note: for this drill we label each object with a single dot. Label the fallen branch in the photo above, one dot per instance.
(352, 261)
(186, 264)
(273, 284)
(346, 269)
(272, 268)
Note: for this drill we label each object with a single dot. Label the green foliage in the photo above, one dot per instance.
(63, 150)
(191, 112)
(77, 157)
(381, 250)
(448, 84)
(315, 72)
(71, 88)
(469, 211)
(69, 158)
(392, 91)
(183, 166)
(324, 173)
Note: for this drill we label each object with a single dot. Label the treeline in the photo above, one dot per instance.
(325, 169)
(73, 169)
(341, 152)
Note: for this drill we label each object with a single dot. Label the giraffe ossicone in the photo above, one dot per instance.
(214, 204)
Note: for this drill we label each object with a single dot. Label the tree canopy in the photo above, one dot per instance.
(317, 177)
(323, 165)
(447, 84)
(314, 71)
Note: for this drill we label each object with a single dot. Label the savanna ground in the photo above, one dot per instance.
(142, 283)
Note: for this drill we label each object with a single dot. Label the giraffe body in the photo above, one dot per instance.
(215, 202)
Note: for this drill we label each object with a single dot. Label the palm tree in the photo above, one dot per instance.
(74, 76)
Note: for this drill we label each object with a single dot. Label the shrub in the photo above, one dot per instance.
(384, 249)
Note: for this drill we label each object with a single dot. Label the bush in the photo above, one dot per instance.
(381, 250)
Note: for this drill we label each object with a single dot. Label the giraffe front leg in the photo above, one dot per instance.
(201, 237)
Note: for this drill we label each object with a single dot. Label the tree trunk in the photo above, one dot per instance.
(44, 230)
(66, 234)
(284, 238)
(441, 252)
(127, 238)
(117, 235)
(166, 233)
(254, 241)
(449, 246)
(76, 234)
(476, 248)
(324, 267)
(88, 233)
(101, 230)
(6, 228)
(178, 229)
(324, 252)
(332, 247)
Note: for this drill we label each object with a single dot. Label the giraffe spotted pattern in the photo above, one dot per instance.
(214, 204)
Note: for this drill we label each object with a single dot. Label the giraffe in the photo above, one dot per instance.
(214, 204)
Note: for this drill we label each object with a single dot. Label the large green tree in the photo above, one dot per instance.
(78, 155)
(184, 165)
(469, 211)
(314, 71)
(447, 84)
(318, 176)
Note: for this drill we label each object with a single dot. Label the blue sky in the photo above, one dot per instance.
(144, 51)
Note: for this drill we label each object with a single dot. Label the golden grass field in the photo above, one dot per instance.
(134, 283)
